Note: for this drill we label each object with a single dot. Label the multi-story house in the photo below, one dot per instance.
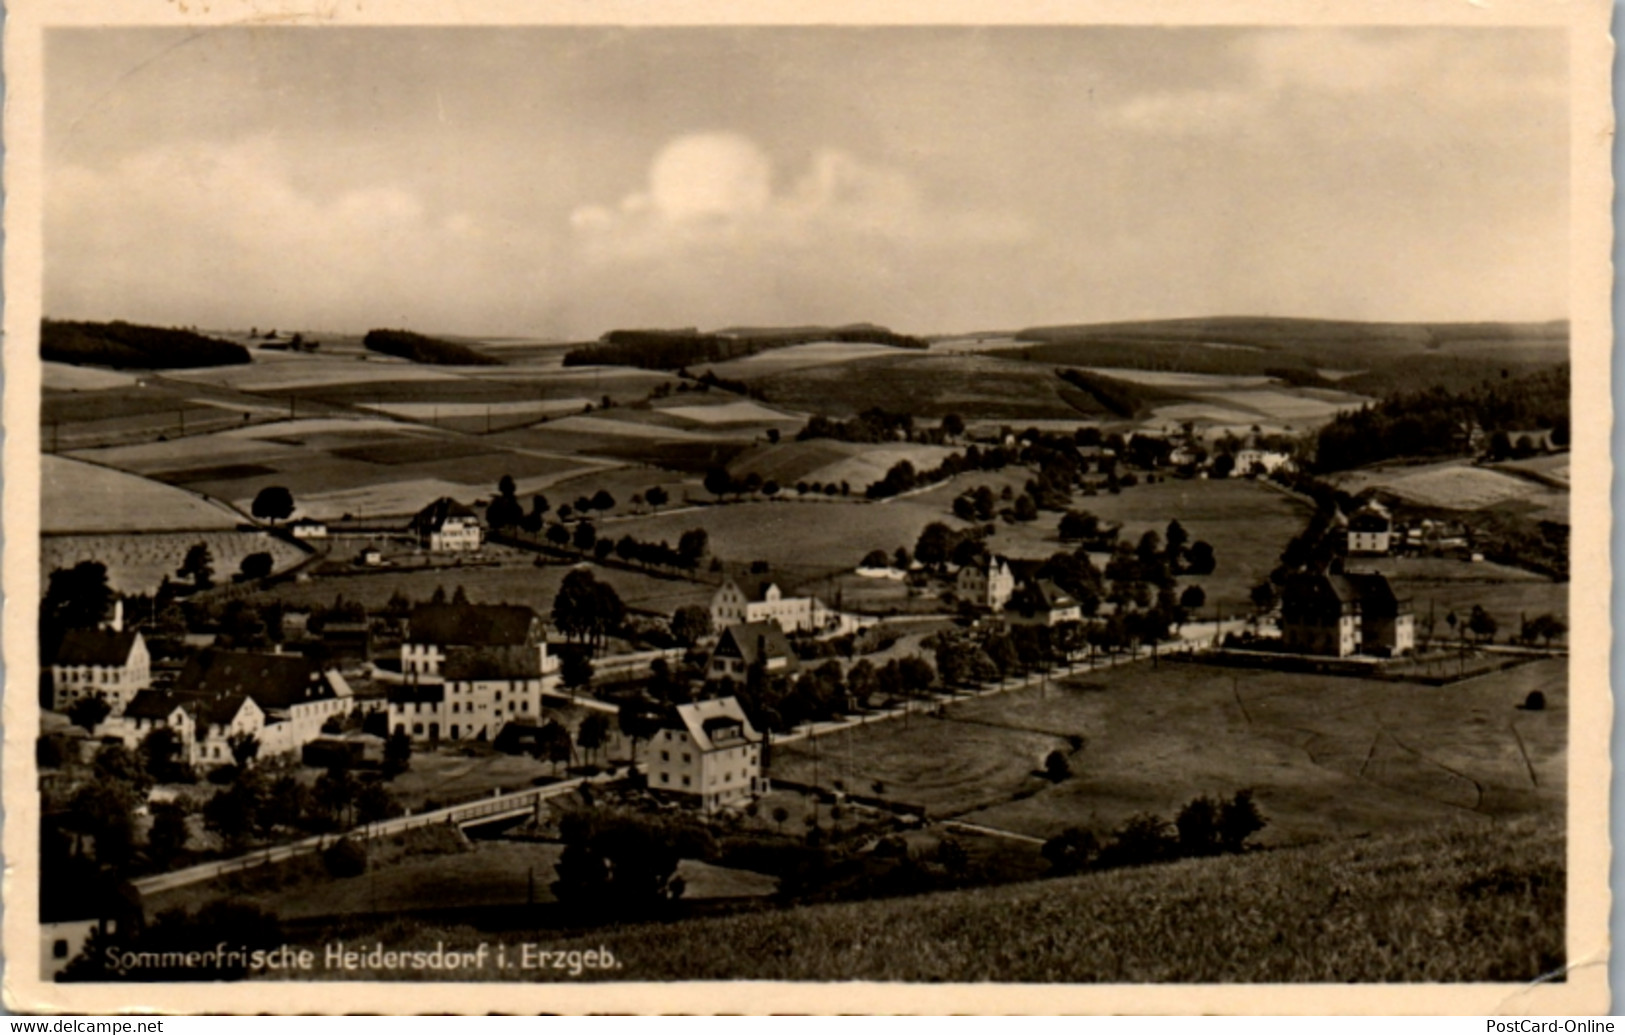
(762, 600)
(986, 583)
(1042, 602)
(109, 663)
(1339, 615)
(446, 526)
(476, 692)
(432, 629)
(293, 696)
(707, 752)
(1370, 529)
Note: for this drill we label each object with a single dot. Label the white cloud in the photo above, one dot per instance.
(220, 232)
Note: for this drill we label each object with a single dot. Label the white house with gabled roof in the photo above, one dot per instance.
(710, 752)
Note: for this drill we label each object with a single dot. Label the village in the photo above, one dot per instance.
(265, 722)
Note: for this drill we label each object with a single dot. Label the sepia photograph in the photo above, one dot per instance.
(560, 507)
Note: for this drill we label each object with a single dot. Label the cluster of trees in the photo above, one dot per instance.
(420, 348)
(877, 424)
(675, 349)
(1544, 628)
(619, 864)
(587, 611)
(259, 807)
(134, 346)
(1437, 421)
(1204, 827)
(780, 704)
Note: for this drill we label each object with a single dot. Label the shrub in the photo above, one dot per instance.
(346, 857)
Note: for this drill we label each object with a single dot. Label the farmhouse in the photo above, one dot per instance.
(1252, 460)
(293, 696)
(709, 751)
(1042, 602)
(742, 645)
(308, 528)
(446, 526)
(761, 600)
(476, 693)
(1342, 614)
(1370, 529)
(109, 663)
(987, 583)
(150, 710)
(432, 629)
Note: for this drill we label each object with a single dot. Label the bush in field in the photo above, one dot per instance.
(346, 857)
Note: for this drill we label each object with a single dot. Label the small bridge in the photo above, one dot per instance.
(480, 811)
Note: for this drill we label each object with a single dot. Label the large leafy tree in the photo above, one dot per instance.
(273, 503)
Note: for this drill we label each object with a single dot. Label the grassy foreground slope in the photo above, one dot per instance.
(1471, 903)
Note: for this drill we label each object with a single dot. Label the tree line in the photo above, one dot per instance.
(134, 346)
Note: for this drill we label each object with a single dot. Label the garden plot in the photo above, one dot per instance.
(740, 412)
(82, 497)
(139, 562)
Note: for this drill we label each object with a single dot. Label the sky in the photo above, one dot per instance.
(563, 181)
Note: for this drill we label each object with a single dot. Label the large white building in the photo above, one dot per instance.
(710, 752)
(446, 526)
(476, 692)
(109, 663)
(762, 600)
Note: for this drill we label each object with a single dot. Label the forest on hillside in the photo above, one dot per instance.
(420, 348)
(133, 346)
(1437, 421)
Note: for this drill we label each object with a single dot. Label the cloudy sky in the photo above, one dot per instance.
(563, 181)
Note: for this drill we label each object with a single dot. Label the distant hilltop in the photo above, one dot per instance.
(675, 349)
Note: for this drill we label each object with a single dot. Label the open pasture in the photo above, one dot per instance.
(67, 377)
(796, 357)
(516, 581)
(289, 373)
(137, 562)
(1182, 379)
(790, 462)
(1452, 485)
(80, 497)
(739, 411)
(1290, 406)
(1438, 587)
(674, 450)
(1553, 469)
(806, 538)
(1327, 757)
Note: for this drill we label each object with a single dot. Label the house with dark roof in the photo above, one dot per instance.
(759, 599)
(446, 526)
(476, 692)
(1341, 614)
(108, 663)
(433, 629)
(742, 645)
(1042, 602)
(1370, 529)
(149, 710)
(709, 753)
(292, 694)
